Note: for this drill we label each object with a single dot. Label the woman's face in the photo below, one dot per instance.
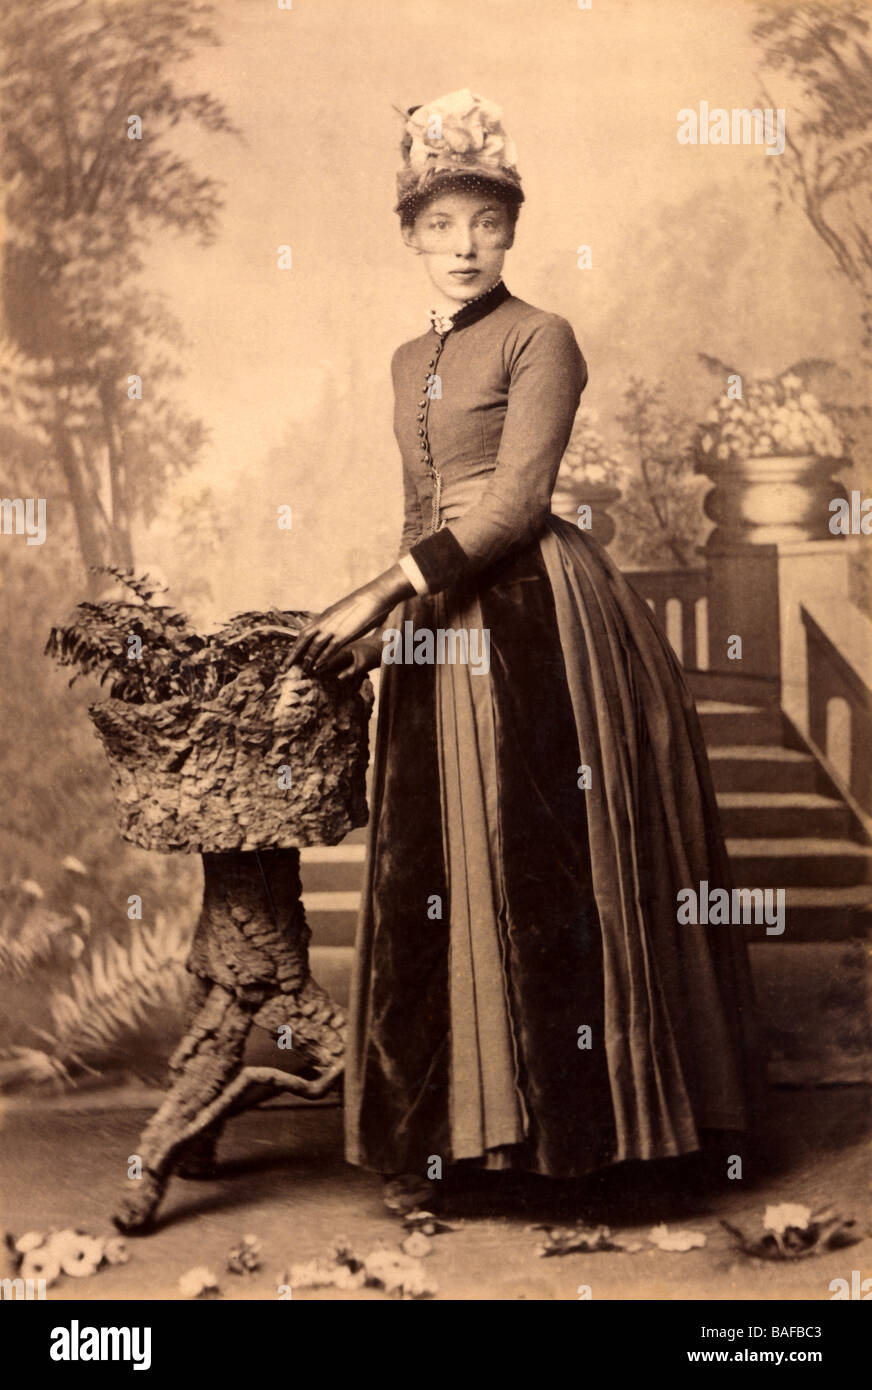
(463, 238)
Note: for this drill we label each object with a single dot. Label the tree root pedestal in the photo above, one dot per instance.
(250, 962)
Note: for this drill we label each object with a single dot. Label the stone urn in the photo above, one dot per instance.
(570, 495)
(770, 499)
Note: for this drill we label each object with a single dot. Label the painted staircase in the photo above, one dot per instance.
(786, 824)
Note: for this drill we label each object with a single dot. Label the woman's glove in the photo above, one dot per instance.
(351, 664)
(324, 637)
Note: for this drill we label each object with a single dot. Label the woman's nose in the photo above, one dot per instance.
(464, 244)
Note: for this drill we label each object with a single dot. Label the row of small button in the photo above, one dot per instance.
(423, 418)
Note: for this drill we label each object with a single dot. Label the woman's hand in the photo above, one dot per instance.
(351, 664)
(323, 638)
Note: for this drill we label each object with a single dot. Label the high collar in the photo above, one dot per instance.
(477, 308)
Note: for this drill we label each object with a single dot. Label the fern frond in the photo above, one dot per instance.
(30, 934)
(113, 996)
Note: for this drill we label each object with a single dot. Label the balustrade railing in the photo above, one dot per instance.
(679, 599)
(839, 675)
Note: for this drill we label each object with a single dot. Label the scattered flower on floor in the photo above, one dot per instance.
(785, 1215)
(426, 1223)
(792, 1232)
(41, 1264)
(74, 1252)
(417, 1245)
(31, 1240)
(664, 1239)
(396, 1272)
(244, 1258)
(199, 1282)
(80, 1254)
(560, 1240)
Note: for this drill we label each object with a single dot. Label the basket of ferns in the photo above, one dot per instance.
(215, 742)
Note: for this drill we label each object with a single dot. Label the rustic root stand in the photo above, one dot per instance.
(217, 746)
(250, 963)
(269, 761)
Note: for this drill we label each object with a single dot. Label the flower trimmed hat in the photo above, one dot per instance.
(456, 140)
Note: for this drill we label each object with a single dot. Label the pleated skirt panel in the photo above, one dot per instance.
(523, 994)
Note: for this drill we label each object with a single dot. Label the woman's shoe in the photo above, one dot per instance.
(405, 1192)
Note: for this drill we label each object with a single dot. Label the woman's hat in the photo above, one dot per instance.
(456, 138)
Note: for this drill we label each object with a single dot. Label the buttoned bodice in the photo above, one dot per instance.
(482, 417)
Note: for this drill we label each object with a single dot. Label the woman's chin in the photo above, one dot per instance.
(464, 288)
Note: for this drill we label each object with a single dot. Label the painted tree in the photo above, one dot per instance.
(89, 100)
(822, 52)
(660, 515)
(587, 458)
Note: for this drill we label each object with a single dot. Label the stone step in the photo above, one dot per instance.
(795, 838)
(729, 723)
(752, 767)
(808, 915)
(823, 980)
(732, 687)
(778, 814)
(812, 914)
(799, 861)
(825, 914)
(332, 916)
(332, 868)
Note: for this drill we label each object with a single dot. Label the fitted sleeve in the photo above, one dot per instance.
(412, 527)
(411, 514)
(547, 375)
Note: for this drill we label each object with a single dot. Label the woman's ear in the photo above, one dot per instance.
(410, 239)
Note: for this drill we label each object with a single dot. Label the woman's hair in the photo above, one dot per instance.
(508, 194)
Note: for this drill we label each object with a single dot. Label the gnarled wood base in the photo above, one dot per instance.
(250, 959)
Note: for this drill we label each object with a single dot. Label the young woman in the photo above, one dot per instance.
(523, 994)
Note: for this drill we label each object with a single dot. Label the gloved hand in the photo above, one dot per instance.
(351, 663)
(322, 638)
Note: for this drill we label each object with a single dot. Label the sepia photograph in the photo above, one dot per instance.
(436, 738)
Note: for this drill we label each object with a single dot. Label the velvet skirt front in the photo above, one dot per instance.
(523, 994)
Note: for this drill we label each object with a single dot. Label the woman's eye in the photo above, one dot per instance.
(438, 226)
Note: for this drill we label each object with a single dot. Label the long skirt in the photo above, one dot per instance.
(523, 994)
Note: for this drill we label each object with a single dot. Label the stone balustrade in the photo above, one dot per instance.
(839, 667)
(679, 600)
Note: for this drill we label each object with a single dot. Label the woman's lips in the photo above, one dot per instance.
(464, 274)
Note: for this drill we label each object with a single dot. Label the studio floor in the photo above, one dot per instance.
(282, 1178)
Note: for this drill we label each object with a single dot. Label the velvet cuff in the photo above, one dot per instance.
(440, 558)
(413, 574)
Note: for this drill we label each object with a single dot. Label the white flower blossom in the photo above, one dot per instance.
(787, 1214)
(79, 1253)
(197, 1282)
(31, 1240)
(41, 1264)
